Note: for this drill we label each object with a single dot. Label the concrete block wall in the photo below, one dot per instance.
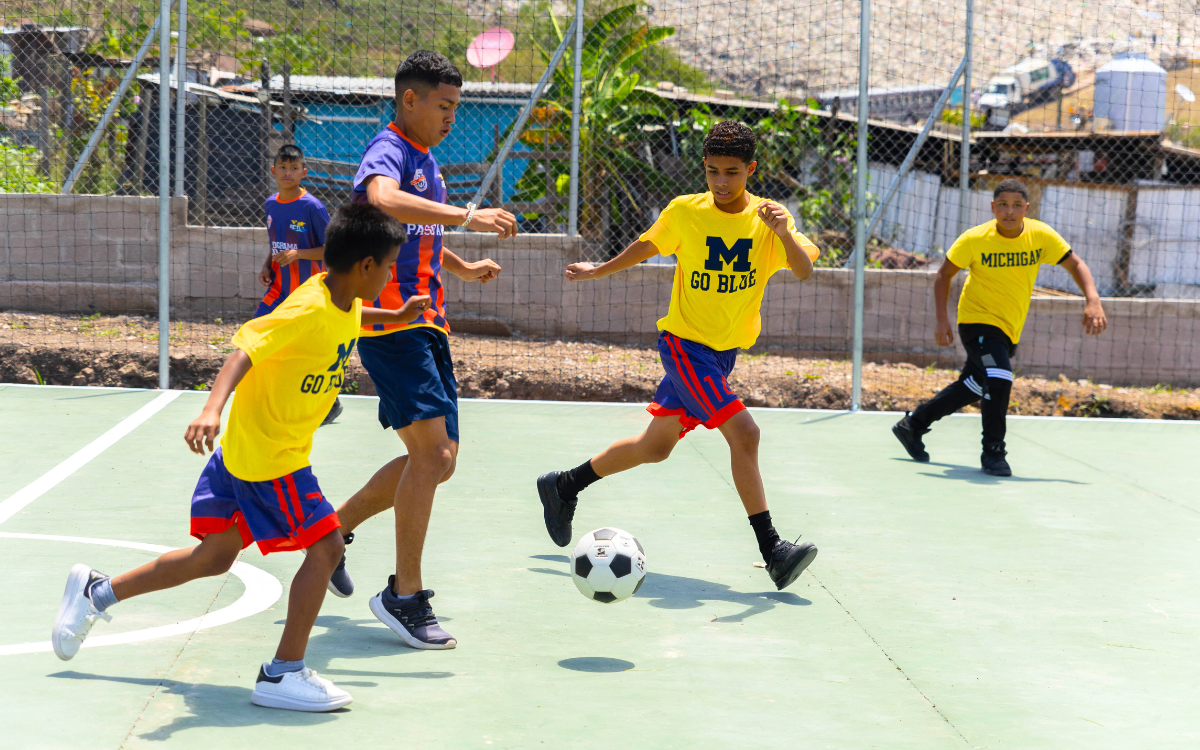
(88, 253)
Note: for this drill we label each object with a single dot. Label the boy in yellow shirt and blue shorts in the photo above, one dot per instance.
(727, 243)
(258, 485)
(1003, 257)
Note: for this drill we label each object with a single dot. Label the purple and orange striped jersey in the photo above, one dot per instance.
(298, 224)
(419, 267)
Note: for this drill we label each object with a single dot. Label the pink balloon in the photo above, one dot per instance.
(490, 47)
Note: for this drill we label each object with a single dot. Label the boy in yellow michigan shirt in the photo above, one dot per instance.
(727, 244)
(1003, 257)
(258, 485)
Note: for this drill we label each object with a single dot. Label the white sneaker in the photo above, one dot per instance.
(76, 614)
(298, 691)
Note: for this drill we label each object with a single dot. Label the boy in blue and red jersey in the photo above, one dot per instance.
(296, 224)
(410, 364)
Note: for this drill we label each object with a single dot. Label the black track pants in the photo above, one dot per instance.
(987, 376)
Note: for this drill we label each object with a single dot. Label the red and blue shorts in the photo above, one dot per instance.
(695, 388)
(287, 513)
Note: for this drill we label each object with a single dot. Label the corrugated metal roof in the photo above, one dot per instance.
(379, 86)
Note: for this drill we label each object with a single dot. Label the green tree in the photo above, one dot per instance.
(612, 112)
(20, 170)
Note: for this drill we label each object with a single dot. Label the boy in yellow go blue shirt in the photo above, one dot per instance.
(1003, 258)
(258, 485)
(727, 244)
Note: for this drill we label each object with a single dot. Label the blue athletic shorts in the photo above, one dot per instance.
(280, 514)
(413, 376)
(695, 388)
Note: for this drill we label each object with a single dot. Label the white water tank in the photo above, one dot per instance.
(1131, 92)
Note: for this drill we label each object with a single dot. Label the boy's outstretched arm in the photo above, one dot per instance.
(408, 312)
(482, 271)
(204, 429)
(637, 252)
(1094, 320)
(385, 193)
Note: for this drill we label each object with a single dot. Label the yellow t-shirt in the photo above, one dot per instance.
(1002, 272)
(722, 263)
(299, 353)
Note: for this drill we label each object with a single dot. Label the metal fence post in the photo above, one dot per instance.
(164, 195)
(964, 169)
(860, 202)
(181, 99)
(573, 209)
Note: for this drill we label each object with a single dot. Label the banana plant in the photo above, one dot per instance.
(612, 112)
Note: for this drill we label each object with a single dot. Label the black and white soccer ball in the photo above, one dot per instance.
(608, 565)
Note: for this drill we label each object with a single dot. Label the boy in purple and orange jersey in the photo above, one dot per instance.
(727, 244)
(258, 485)
(410, 364)
(296, 224)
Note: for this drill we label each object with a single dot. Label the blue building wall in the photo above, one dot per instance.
(471, 140)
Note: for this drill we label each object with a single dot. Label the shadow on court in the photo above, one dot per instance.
(343, 638)
(210, 706)
(680, 592)
(973, 475)
(596, 664)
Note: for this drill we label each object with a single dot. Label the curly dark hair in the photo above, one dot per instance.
(1011, 186)
(731, 138)
(423, 70)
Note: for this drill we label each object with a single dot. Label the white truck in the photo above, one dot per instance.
(1024, 85)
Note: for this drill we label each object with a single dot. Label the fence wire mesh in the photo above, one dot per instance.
(1090, 104)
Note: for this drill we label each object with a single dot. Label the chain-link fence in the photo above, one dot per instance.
(1091, 105)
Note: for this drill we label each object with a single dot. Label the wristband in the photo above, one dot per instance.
(470, 213)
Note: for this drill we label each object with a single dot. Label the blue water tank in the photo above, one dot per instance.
(1131, 92)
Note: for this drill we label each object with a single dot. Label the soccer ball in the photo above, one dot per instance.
(608, 565)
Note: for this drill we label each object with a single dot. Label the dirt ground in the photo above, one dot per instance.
(123, 351)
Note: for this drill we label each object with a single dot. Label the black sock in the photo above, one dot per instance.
(571, 483)
(767, 536)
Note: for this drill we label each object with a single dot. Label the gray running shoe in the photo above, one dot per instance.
(334, 413)
(412, 619)
(340, 584)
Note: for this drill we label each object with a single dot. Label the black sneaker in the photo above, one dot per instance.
(788, 561)
(334, 413)
(412, 619)
(556, 511)
(340, 584)
(910, 439)
(992, 462)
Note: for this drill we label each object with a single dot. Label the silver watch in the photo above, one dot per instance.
(470, 213)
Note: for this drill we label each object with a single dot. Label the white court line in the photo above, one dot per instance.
(262, 590)
(50, 479)
(764, 409)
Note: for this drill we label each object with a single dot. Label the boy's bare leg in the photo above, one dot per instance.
(431, 460)
(653, 445)
(742, 434)
(307, 594)
(214, 555)
(785, 560)
(376, 496)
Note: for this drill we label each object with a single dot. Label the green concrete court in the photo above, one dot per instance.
(1056, 609)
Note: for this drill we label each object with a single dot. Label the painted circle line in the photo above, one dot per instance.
(262, 590)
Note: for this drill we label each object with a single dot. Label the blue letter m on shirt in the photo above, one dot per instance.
(343, 356)
(719, 254)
